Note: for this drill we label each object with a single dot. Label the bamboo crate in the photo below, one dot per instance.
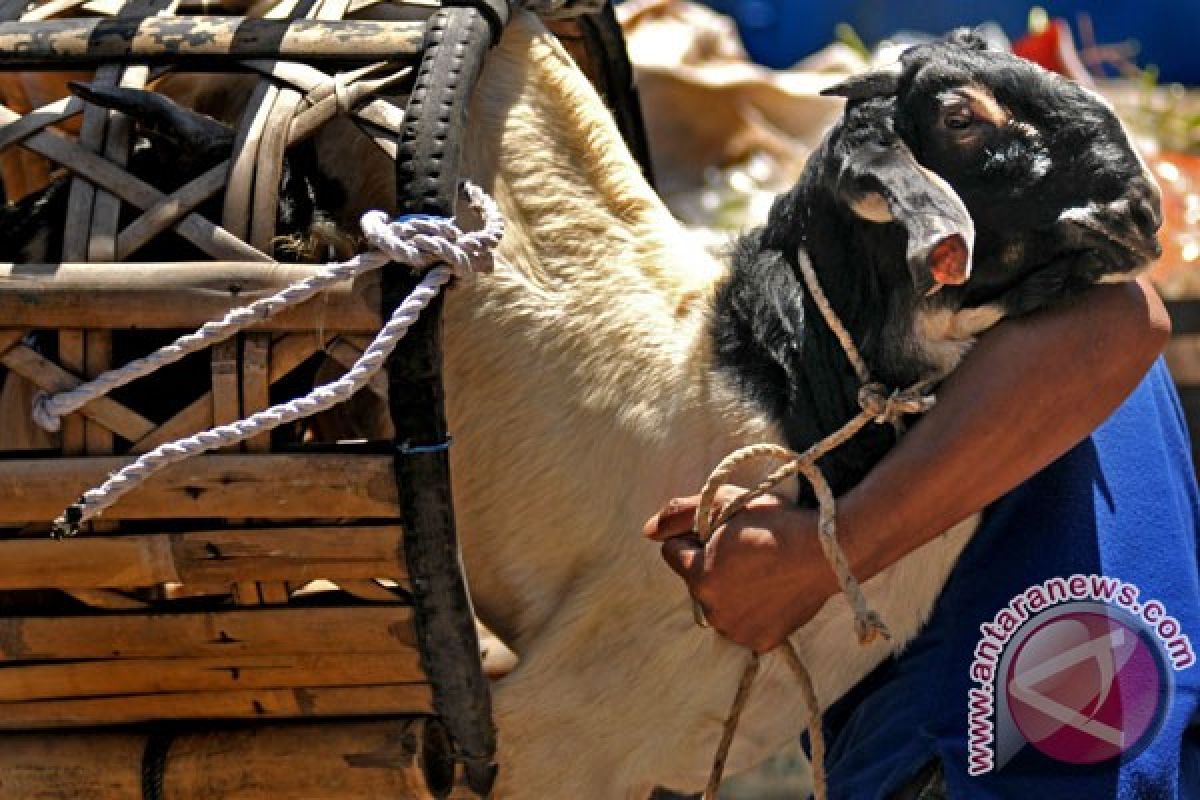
(266, 583)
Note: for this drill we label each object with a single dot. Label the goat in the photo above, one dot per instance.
(610, 362)
(620, 364)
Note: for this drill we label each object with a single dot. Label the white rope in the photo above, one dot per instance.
(416, 242)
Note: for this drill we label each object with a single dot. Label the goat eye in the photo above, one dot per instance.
(958, 117)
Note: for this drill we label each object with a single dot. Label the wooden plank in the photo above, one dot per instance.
(325, 760)
(78, 42)
(349, 553)
(50, 377)
(332, 701)
(175, 295)
(263, 486)
(216, 673)
(364, 629)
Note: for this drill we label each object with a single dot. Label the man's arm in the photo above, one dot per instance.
(1028, 391)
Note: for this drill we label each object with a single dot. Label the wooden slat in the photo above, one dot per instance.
(227, 406)
(174, 295)
(345, 553)
(217, 673)
(364, 629)
(83, 41)
(325, 760)
(262, 486)
(50, 377)
(256, 384)
(42, 372)
(195, 417)
(335, 701)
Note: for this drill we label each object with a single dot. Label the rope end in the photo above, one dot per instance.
(68, 524)
(42, 414)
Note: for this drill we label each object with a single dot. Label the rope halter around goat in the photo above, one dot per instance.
(879, 406)
(415, 241)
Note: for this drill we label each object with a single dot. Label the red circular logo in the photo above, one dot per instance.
(1085, 687)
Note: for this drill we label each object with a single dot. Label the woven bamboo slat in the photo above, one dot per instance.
(174, 295)
(342, 553)
(335, 701)
(369, 629)
(90, 41)
(139, 676)
(266, 486)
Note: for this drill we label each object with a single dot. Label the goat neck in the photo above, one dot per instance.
(772, 338)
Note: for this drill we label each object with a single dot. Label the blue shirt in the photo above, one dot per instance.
(1059, 662)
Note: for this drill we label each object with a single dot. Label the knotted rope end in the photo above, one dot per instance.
(69, 523)
(44, 415)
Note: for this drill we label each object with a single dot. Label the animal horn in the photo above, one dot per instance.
(881, 82)
(159, 115)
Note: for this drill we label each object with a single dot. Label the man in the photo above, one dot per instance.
(1024, 683)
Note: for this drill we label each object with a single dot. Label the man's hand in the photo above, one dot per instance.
(762, 574)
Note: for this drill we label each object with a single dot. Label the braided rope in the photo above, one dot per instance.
(877, 405)
(415, 242)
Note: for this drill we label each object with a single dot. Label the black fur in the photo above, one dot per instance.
(1015, 180)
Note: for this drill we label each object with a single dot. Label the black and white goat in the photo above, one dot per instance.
(610, 362)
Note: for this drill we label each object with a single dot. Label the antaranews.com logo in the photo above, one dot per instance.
(1080, 668)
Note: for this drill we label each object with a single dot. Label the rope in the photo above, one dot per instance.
(416, 242)
(877, 405)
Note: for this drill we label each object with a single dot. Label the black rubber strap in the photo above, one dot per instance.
(605, 44)
(154, 764)
(497, 12)
(427, 177)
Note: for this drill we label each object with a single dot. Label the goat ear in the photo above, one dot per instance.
(157, 115)
(880, 181)
(972, 38)
(876, 83)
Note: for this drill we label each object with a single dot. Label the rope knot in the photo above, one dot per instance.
(421, 240)
(889, 407)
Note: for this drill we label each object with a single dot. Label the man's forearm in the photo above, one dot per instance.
(1028, 392)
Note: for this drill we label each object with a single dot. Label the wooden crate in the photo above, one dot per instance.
(262, 584)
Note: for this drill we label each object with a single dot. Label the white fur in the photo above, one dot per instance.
(582, 395)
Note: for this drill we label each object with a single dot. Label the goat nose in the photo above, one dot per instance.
(1146, 215)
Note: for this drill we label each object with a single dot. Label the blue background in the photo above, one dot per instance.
(780, 32)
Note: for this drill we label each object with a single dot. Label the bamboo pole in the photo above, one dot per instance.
(80, 42)
(274, 486)
(175, 295)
